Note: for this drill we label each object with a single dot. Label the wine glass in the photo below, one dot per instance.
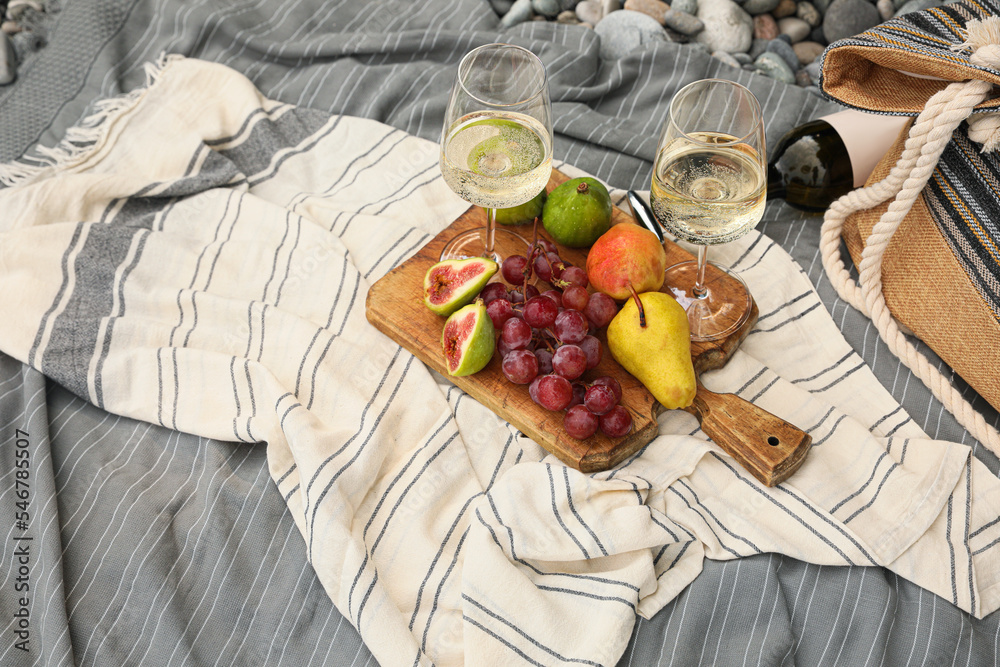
(709, 186)
(496, 144)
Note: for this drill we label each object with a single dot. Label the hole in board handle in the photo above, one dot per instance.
(773, 441)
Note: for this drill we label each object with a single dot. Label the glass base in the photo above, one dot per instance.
(472, 243)
(723, 308)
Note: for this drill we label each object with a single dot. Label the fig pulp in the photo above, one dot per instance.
(451, 284)
(468, 339)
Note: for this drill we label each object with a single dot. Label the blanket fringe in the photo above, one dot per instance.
(81, 140)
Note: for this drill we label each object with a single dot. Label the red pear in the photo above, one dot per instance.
(627, 257)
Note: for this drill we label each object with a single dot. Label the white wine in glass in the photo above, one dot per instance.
(709, 187)
(496, 144)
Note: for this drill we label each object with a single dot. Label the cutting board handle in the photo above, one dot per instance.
(769, 448)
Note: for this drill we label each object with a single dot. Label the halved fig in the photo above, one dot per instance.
(468, 339)
(451, 284)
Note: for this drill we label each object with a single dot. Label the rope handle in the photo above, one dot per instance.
(927, 139)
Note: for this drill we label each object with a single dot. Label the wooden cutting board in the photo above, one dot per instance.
(395, 307)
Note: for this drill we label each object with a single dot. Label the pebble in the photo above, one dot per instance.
(846, 18)
(886, 9)
(682, 22)
(774, 66)
(726, 58)
(655, 9)
(754, 7)
(765, 27)
(567, 17)
(813, 70)
(796, 29)
(784, 8)
(802, 79)
(589, 11)
(8, 61)
(686, 6)
(546, 8)
(807, 51)
(757, 47)
(10, 27)
(785, 50)
(898, 3)
(727, 26)
(807, 12)
(608, 6)
(519, 12)
(916, 6)
(743, 58)
(501, 7)
(624, 31)
(822, 5)
(567, 5)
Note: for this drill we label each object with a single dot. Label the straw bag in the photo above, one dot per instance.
(924, 232)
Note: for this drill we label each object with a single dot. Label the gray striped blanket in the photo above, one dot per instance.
(197, 258)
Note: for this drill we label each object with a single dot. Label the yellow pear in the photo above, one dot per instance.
(654, 345)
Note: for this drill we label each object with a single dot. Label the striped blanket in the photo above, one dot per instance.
(198, 257)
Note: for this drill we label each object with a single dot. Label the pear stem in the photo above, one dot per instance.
(638, 304)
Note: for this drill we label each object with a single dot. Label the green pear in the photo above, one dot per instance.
(653, 344)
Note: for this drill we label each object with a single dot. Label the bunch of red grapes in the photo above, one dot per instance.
(547, 340)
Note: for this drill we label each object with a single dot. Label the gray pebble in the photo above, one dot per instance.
(794, 28)
(8, 61)
(684, 23)
(727, 26)
(743, 58)
(519, 12)
(754, 7)
(817, 35)
(589, 11)
(846, 18)
(774, 66)
(703, 48)
(807, 12)
(898, 3)
(501, 7)
(568, 5)
(917, 6)
(822, 5)
(885, 9)
(686, 6)
(757, 47)
(726, 58)
(546, 8)
(813, 70)
(624, 31)
(787, 53)
(567, 17)
(802, 79)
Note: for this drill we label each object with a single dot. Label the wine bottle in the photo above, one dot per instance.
(824, 159)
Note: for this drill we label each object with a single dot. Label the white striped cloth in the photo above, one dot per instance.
(198, 257)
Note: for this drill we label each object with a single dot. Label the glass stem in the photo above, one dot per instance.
(491, 232)
(699, 285)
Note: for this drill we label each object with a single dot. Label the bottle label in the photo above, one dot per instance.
(867, 137)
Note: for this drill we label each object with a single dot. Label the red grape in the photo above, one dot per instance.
(616, 423)
(544, 361)
(533, 388)
(547, 245)
(574, 275)
(520, 366)
(499, 310)
(591, 347)
(598, 399)
(512, 269)
(556, 263)
(569, 361)
(493, 291)
(542, 267)
(580, 423)
(575, 297)
(554, 294)
(540, 312)
(516, 333)
(554, 392)
(570, 326)
(611, 384)
(600, 309)
(579, 392)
